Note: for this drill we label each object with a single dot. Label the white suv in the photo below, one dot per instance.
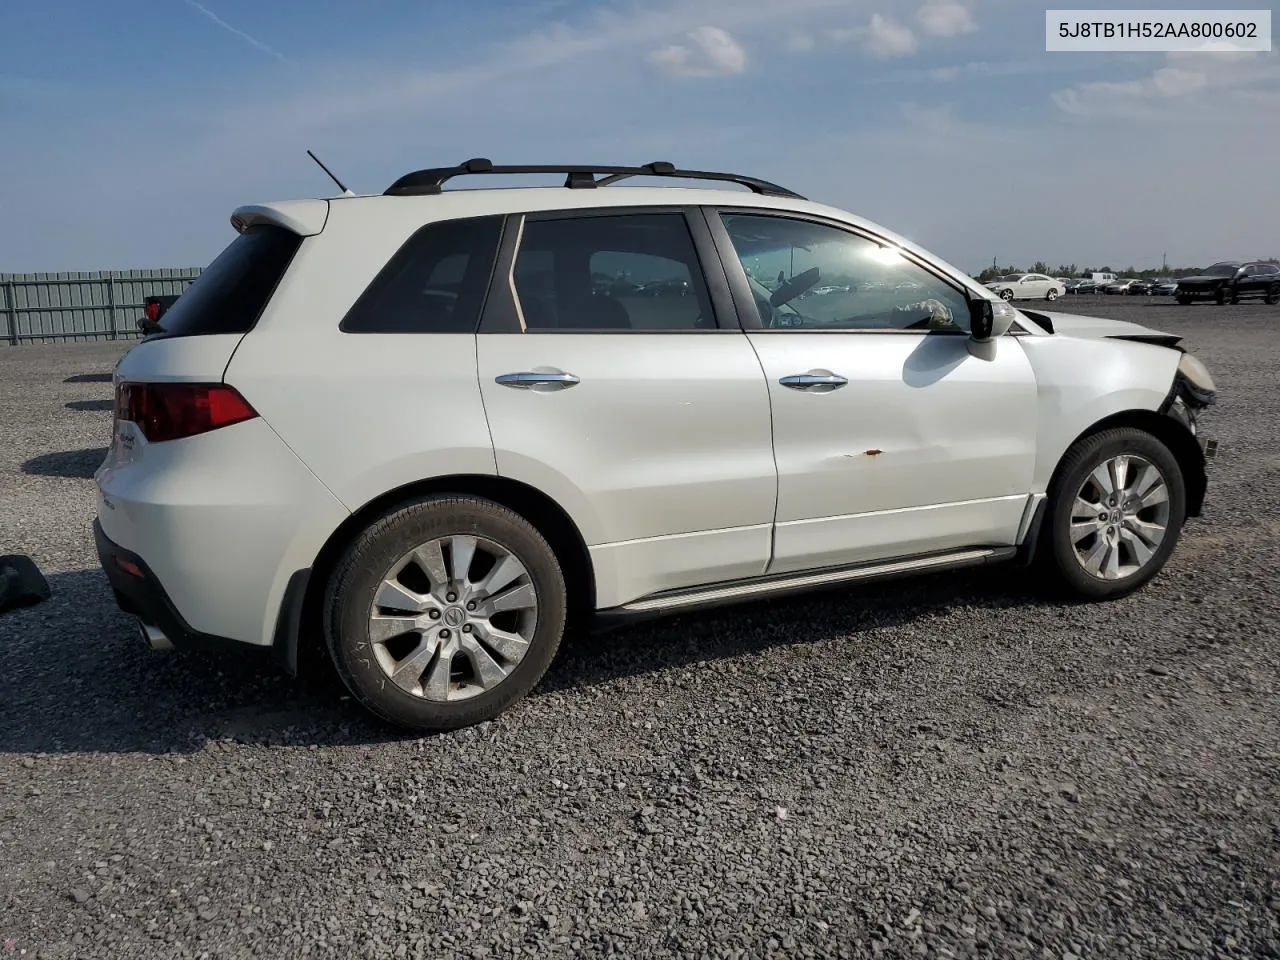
(432, 430)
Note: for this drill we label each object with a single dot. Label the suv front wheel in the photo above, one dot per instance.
(1115, 513)
(445, 612)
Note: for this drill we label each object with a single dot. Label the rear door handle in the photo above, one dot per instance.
(815, 381)
(530, 380)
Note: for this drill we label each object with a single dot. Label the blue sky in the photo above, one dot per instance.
(130, 130)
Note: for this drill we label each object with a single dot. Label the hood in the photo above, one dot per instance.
(1098, 328)
(1203, 278)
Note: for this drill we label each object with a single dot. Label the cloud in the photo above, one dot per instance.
(945, 18)
(239, 33)
(1177, 83)
(709, 52)
(887, 38)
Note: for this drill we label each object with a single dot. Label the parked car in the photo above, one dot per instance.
(1085, 285)
(1230, 281)
(1027, 286)
(153, 309)
(1165, 288)
(407, 428)
(1120, 287)
(1141, 288)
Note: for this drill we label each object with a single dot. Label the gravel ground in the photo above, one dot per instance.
(948, 767)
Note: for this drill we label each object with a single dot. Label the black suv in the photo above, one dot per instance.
(1231, 281)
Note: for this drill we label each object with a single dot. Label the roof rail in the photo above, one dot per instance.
(433, 179)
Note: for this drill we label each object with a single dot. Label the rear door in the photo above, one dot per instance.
(617, 381)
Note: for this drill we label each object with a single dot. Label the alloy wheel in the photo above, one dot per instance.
(452, 618)
(1120, 517)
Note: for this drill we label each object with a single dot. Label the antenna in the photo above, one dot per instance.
(341, 186)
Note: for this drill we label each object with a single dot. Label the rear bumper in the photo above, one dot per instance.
(140, 594)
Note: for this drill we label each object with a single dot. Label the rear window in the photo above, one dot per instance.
(231, 293)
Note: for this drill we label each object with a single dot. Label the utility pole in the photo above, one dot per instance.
(1164, 263)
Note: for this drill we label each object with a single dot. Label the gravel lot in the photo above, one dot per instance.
(949, 767)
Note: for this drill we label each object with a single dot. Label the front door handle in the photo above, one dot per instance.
(533, 380)
(815, 381)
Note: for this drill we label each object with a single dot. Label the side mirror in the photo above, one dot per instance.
(989, 319)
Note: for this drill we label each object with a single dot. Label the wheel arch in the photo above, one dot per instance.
(1180, 441)
(547, 516)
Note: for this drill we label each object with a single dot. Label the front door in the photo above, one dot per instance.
(891, 438)
(617, 381)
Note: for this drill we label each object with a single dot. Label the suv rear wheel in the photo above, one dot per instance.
(1273, 293)
(1115, 513)
(445, 612)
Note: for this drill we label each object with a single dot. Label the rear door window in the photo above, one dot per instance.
(610, 272)
(232, 292)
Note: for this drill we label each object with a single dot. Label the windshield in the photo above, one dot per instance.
(1222, 270)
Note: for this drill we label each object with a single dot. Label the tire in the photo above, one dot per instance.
(1052, 295)
(1006, 295)
(427, 697)
(1067, 558)
(1224, 297)
(1273, 294)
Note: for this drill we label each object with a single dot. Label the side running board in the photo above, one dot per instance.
(679, 601)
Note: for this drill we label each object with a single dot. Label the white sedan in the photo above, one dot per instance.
(1027, 286)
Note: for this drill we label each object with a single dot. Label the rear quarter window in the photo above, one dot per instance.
(232, 292)
(435, 283)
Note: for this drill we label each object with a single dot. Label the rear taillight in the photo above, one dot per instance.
(153, 312)
(171, 411)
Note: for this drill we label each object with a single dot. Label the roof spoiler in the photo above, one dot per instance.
(306, 218)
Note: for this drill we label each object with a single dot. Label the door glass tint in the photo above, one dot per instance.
(614, 272)
(435, 283)
(231, 293)
(810, 276)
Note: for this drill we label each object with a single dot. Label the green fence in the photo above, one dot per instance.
(102, 305)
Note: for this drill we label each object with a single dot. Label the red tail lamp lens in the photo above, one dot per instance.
(171, 411)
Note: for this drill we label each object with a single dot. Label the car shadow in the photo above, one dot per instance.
(89, 378)
(90, 404)
(78, 679)
(76, 464)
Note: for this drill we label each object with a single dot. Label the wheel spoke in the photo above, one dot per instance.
(436, 684)
(1083, 509)
(1092, 561)
(505, 571)
(462, 551)
(1156, 495)
(522, 597)
(408, 672)
(1119, 469)
(382, 629)
(1141, 552)
(488, 672)
(1102, 479)
(510, 646)
(430, 557)
(1080, 531)
(1151, 534)
(1147, 479)
(1111, 562)
(395, 596)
